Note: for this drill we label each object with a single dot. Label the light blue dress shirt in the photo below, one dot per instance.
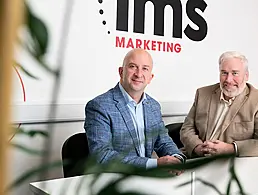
(136, 112)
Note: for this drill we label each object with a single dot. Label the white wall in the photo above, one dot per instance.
(92, 59)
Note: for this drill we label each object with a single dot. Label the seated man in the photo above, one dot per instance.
(125, 123)
(224, 116)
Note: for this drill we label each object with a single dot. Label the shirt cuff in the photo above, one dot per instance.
(182, 159)
(151, 163)
(236, 148)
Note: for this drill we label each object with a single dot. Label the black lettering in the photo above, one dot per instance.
(196, 35)
(122, 15)
(159, 6)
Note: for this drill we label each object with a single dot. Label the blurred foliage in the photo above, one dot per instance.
(28, 73)
(35, 41)
(36, 44)
(38, 34)
(30, 133)
(27, 149)
(126, 171)
(33, 172)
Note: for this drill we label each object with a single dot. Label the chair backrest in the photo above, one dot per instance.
(75, 151)
(174, 133)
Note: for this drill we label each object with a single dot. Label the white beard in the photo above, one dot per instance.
(234, 92)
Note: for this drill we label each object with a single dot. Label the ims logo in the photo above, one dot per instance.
(159, 6)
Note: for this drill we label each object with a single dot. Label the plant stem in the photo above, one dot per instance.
(55, 91)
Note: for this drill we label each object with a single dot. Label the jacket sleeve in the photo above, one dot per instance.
(99, 134)
(164, 145)
(188, 132)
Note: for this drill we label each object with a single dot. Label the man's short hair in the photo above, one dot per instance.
(233, 54)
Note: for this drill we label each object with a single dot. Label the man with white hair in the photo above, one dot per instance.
(224, 116)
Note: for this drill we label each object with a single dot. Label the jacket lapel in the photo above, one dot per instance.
(148, 119)
(234, 108)
(122, 107)
(212, 112)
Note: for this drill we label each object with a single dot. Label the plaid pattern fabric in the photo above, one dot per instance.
(111, 133)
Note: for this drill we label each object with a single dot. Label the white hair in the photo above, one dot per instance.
(233, 54)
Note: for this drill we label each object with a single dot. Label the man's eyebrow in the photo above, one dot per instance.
(229, 71)
(145, 65)
(131, 63)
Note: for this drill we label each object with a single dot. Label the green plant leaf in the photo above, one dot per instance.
(235, 178)
(25, 70)
(127, 170)
(132, 193)
(203, 182)
(38, 32)
(27, 150)
(39, 59)
(31, 133)
(229, 186)
(210, 185)
(111, 188)
(195, 163)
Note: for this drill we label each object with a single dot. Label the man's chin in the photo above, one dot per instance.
(137, 88)
(230, 93)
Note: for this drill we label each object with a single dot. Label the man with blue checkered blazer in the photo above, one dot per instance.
(126, 123)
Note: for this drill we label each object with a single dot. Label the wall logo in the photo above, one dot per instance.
(122, 21)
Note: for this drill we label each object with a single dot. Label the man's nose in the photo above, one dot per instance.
(138, 73)
(229, 78)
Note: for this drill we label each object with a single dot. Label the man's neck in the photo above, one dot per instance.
(136, 97)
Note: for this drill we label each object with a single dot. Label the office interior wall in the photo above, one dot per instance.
(96, 46)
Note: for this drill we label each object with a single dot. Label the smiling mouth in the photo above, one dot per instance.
(230, 87)
(137, 81)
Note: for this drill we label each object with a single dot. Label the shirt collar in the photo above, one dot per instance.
(128, 98)
(222, 99)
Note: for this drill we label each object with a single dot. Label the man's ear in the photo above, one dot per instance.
(246, 75)
(152, 75)
(120, 70)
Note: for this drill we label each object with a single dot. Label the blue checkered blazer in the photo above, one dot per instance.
(111, 133)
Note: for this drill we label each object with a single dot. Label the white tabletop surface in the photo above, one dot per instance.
(215, 173)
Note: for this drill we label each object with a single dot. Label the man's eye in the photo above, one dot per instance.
(235, 73)
(224, 73)
(145, 69)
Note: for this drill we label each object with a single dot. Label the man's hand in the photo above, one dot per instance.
(200, 149)
(218, 147)
(168, 160)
